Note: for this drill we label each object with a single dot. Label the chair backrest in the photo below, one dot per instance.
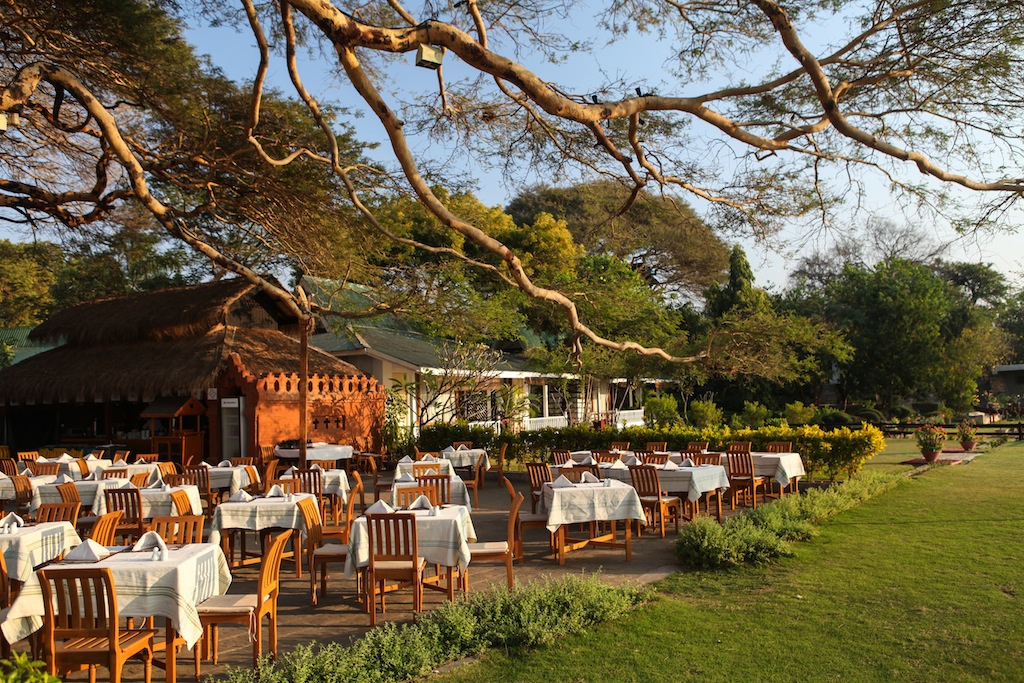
(355, 491)
(114, 473)
(560, 456)
(180, 502)
(270, 569)
(105, 528)
(513, 516)
(167, 467)
(467, 444)
(286, 485)
(539, 473)
(421, 469)
(697, 446)
(140, 480)
(780, 446)
(202, 477)
(324, 465)
(651, 458)
(122, 455)
(737, 447)
(605, 456)
(741, 465)
(478, 469)
(706, 458)
(501, 458)
(5, 451)
(406, 495)
(129, 501)
(180, 528)
(83, 468)
(22, 489)
(266, 453)
(141, 458)
(9, 466)
(68, 615)
(179, 479)
(443, 484)
(37, 469)
(508, 487)
(241, 462)
(573, 474)
(645, 480)
(69, 493)
(311, 519)
(392, 538)
(310, 481)
(422, 454)
(269, 472)
(656, 446)
(58, 512)
(28, 456)
(619, 445)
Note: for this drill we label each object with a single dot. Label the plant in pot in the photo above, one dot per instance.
(930, 439)
(967, 435)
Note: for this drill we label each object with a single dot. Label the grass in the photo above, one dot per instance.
(921, 583)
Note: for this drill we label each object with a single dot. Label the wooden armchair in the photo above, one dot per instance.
(406, 495)
(58, 512)
(39, 469)
(737, 447)
(779, 447)
(605, 456)
(497, 551)
(74, 638)
(697, 446)
(180, 503)
(526, 521)
(742, 479)
(242, 462)
(140, 480)
(477, 482)
(422, 469)
(28, 456)
(619, 445)
(319, 555)
(129, 501)
(656, 446)
(652, 458)
(560, 456)
(22, 494)
(179, 529)
(201, 474)
(539, 473)
(9, 466)
(441, 482)
(394, 555)
(658, 505)
(104, 530)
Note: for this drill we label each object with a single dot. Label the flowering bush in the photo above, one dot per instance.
(966, 431)
(930, 438)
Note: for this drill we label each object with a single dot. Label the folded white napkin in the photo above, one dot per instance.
(63, 479)
(315, 467)
(90, 457)
(119, 463)
(3, 476)
(205, 464)
(686, 463)
(406, 459)
(380, 508)
(150, 540)
(589, 478)
(12, 520)
(561, 483)
(159, 486)
(587, 461)
(65, 458)
(632, 460)
(462, 447)
(669, 465)
(42, 459)
(93, 476)
(224, 463)
(568, 464)
(406, 477)
(618, 465)
(239, 496)
(275, 492)
(448, 449)
(89, 551)
(428, 458)
(290, 472)
(421, 503)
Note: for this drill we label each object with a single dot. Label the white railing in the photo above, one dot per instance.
(490, 424)
(629, 418)
(534, 423)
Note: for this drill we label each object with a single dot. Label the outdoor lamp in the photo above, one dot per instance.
(429, 56)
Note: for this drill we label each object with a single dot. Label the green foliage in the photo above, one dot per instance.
(799, 414)
(930, 438)
(764, 534)
(26, 276)
(532, 614)
(661, 411)
(6, 355)
(754, 414)
(20, 668)
(705, 414)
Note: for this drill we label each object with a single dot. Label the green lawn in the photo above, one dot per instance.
(923, 583)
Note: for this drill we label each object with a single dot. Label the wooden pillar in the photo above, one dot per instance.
(303, 391)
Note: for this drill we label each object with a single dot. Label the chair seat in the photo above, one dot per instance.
(531, 517)
(398, 565)
(488, 548)
(330, 550)
(228, 604)
(127, 640)
(664, 499)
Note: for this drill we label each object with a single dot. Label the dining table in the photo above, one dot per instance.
(170, 588)
(689, 481)
(405, 465)
(459, 492)
(232, 478)
(609, 500)
(258, 514)
(156, 502)
(126, 471)
(7, 486)
(71, 466)
(334, 482)
(30, 545)
(465, 457)
(317, 451)
(88, 491)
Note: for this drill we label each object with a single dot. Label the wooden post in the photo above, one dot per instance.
(303, 390)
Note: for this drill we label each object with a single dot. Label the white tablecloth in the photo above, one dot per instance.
(157, 503)
(29, 547)
(231, 479)
(782, 467)
(335, 482)
(460, 495)
(465, 457)
(126, 471)
(87, 491)
(171, 589)
(406, 467)
(258, 514)
(605, 501)
(72, 468)
(317, 451)
(693, 482)
(442, 539)
(7, 486)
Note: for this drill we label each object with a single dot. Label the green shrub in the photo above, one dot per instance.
(20, 668)
(705, 414)
(529, 615)
(661, 411)
(754, 414)
(836, 417)
(903, 412)
(799, 414)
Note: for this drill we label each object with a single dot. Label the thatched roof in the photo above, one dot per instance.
(163, 314)
(152, 368)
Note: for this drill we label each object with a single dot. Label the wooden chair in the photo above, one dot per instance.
(658, 505)
(242, 462)
(497, 551)
(477, 482)
(9, 466)
(706, 459)
(698, 459)
(443, 484)
(179, 529)
(526, 521)
(104, 530)
(140, 480)
(269, 474)
(248, 610)
(499, 468)
(121, 455)
(58, 512)
(39, 469)
(129, 501)
(114, 473)
(779, 447)
(319, 555)
(379, 483)
(575, 473)
(181, 504)
(5, 451)
(737, 447)
(85, 634)
(652, 458)
(394, 555)
(28, 456)
(419, 455)
(324, 465)
(742, 479)
(467, 444)
(697, 446)
(83, 468)
(179, 480)
(560, 456)
(656, 446)
(69, 494)
(22, 494)
(605, 456)
(619, 446)
(167, 468)
(539, 473)
(406, 495)
(286, 485)
(142, 458)
(207, 495)
(422, 469)
(266, 453)
(312, 481)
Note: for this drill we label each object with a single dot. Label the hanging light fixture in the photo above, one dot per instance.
(429, 56)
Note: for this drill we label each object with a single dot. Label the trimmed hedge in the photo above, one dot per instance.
(530, 615)
(764, 534)
(828, 452)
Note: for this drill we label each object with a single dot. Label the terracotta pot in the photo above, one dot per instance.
(930, 456)
(968, 445)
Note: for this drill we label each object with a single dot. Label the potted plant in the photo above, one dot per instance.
(930, 439)
(967, 435)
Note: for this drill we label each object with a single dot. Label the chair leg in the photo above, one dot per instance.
(508, 570)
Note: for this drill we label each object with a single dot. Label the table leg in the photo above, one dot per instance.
(171, 654)
(629, 550)
(561, 534)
